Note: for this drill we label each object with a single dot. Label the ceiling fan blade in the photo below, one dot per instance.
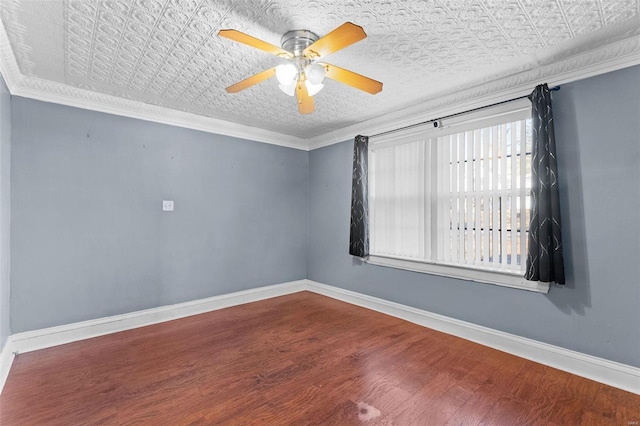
(255, 79)
(353, 79)
(305, 102)
(243, 38)
(343, 36)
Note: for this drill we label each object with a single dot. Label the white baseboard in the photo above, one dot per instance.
(53, 336)
(6, 359)
(598, 369)
(601, 370)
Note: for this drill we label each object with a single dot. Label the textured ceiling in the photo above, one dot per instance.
(167, 52)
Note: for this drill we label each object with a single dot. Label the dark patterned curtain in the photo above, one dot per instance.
(544, 261)
(359, 236)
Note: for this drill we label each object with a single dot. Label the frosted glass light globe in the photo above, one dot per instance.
(286, 73)
(312, 89)
(289, 89)
(315, 73)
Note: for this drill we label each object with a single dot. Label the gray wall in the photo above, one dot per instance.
(598, 311)
(5, 157)
(89, 238)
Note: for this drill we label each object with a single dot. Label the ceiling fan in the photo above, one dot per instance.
(303, 74)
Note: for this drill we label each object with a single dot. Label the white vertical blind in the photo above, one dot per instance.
(513, 194)
(477, 182)
(521, 193)
(502, 186)
(443, 204)
(467, 188)
(467, 211)
(486, 194)
(454, 212)
(399, 195)
(495, 198)
(478, 204)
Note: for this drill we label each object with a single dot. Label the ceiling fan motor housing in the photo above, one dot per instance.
(297, 40)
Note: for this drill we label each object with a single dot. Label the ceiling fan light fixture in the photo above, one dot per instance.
(303, 48)
(312, 89)
(289, 89)
(315, 73)
(286, 74)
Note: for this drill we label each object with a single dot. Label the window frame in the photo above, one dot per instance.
(471, 121)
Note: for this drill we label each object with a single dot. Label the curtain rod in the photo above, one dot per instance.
(553, 89)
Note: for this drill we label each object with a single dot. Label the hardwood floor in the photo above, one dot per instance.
(298, 359)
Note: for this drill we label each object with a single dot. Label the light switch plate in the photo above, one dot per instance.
(167, 205)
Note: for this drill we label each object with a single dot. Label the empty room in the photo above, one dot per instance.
(292, 212)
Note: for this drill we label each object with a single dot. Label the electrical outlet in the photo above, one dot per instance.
(167, 205)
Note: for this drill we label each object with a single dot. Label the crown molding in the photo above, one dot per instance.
(27, 86)
(562, 66)
(610, 57)
(8, 64)
(49, 91)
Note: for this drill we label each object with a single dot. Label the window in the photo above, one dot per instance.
(455, 200)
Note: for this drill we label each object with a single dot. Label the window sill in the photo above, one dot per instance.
(500, 278)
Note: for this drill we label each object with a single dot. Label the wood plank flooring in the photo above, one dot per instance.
(298, 359)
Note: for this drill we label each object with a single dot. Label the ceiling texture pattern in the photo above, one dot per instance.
(165, 55)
